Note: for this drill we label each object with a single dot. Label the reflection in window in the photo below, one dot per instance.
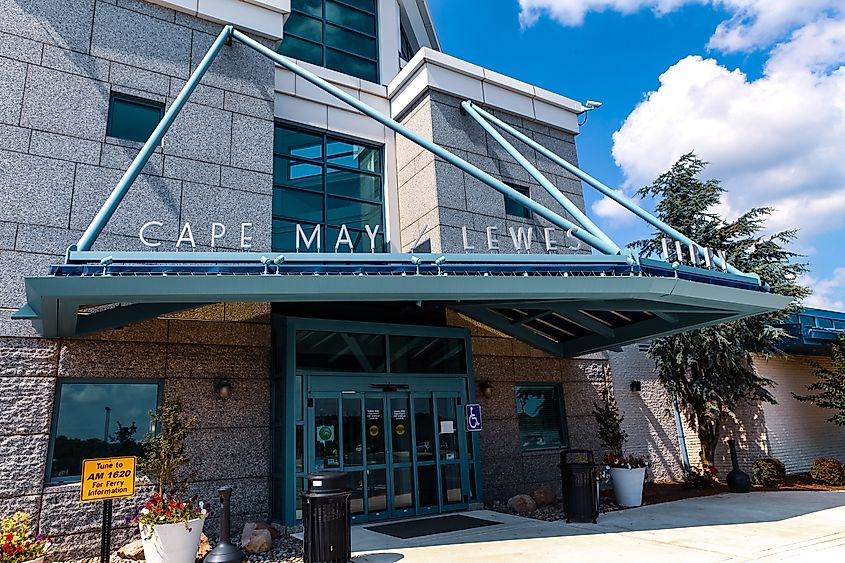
(99, 420)
(539, 413)
(338, 35)
(340, 351)
(513, 207)
(325, 181)
(427, 354)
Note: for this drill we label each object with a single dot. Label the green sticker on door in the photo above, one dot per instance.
(325, 434)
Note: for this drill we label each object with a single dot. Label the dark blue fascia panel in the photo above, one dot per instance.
(812, 331)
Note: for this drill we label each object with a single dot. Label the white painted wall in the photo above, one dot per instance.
(798, 432)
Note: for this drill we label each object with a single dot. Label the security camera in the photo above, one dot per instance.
(593, 104)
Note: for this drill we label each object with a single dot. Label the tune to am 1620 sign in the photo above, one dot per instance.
(107, 478)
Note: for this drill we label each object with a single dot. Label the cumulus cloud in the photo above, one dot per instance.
(607, 208)
(753, 23)
(777, 140)
(827, 292)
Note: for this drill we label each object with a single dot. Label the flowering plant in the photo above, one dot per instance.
(164, 509)
(623, 462)
(17, 543)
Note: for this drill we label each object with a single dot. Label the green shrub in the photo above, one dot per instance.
(828, 471)
(767, 472)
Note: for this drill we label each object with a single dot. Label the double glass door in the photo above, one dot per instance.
(405, 451)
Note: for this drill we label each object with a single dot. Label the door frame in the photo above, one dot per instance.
(287, 399)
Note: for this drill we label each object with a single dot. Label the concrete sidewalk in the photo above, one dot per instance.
(768, 526)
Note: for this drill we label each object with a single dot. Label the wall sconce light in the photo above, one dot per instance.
(223, 387)
(636, 386)
(486, 388)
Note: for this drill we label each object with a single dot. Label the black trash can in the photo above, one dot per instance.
(580, 486)
(326, 518)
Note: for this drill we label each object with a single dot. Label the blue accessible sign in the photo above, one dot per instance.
(474, 418)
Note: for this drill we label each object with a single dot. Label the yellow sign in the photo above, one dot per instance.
(373, 430)
(400, 429)
(107, 478)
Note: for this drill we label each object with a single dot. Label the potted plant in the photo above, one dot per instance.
(170, 524)
(626, 472)
(17, 544)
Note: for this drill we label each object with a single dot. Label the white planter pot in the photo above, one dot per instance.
(172, 543)
(628, 485)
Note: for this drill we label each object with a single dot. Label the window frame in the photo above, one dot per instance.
(325, 47)
(561, 415)
(526, 213)
(326, 137)
(117, 96)
(57, 394)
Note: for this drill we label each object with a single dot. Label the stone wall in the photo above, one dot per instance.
(189, 352)
(59, 63)
(435, 193)
(507, 469)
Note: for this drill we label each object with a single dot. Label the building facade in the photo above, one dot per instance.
(285, 265)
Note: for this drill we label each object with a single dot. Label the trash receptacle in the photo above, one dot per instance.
(580, 486)
(326, 518)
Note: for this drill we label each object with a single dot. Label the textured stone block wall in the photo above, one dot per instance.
(231, 445)
(507, 469)
(435, 193)
(59, 63)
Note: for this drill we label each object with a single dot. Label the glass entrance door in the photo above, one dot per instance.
(405, 451)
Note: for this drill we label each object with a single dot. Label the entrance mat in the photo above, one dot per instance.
(431, 526)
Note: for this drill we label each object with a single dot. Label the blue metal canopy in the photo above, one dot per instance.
(564, 304)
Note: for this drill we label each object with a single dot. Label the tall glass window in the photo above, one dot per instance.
(336, 34)
(322, 183)
(95, 419)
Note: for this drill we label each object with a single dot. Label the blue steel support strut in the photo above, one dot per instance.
(111, 204)
(624, 202)
(573, 210)
(474, 171)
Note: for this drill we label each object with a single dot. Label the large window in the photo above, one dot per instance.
(539, 413)
(321, 184)
(336, 34)
(93, 419)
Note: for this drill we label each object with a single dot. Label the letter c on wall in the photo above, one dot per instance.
(144, 241)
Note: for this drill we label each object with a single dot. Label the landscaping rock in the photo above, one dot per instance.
(132, 550)
(523, 504)
(274, 531)
(205, 548)
(544, 496)
(258, 541)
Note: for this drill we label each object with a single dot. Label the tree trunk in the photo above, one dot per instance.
(708, 434)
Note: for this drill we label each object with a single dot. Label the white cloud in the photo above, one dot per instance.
(827, 292)
(607, 208)
(777, 141)
(753, 23)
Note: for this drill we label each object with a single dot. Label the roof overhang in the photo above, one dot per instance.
(563, 304)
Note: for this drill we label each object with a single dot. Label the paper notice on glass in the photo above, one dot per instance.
(447, 427)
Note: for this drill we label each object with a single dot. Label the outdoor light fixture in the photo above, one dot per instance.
(105, 263)
(223, 387)
(636, 386)
(279, 260)
(486, 388)
(415, 260)
(440, 261)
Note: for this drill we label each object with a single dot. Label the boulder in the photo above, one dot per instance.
(204, 549)
(132, 550)
(259, 541)
(544, 496)
(522, 504)
(274, 531)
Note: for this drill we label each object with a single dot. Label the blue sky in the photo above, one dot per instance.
(735, 82)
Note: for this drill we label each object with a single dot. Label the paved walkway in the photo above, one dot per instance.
(772, 526)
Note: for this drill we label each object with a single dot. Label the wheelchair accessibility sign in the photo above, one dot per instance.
(474, 418)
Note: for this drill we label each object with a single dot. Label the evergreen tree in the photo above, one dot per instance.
(829, 386)
(710, 369)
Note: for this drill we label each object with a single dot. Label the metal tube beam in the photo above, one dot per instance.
(110, 206)
(624, 202)
(470, 169)
(542, 180)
